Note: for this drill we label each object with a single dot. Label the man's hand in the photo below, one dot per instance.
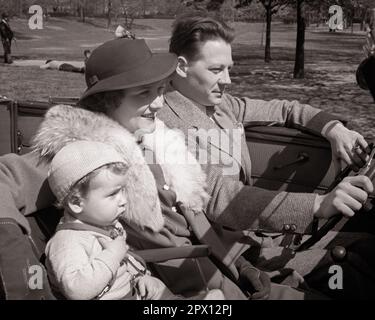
(347, 198)
(348, 146)
(255, 282)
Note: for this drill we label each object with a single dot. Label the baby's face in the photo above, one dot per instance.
(105, 200)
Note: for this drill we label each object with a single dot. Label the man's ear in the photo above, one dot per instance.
(182, 66)
(75, 205)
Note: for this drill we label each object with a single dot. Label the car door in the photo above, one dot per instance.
(288, 159)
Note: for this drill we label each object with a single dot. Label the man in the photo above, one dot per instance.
(122, 32)
(6, 35)
(197, 103)
(69, 66)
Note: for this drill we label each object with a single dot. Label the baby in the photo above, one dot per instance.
(88, 257)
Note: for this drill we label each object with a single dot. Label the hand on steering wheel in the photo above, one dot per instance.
(345, 195)
(346, 198)
(347, 146)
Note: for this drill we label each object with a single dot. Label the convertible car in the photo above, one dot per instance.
(296, 161)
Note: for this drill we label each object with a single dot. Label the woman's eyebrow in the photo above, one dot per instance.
(113, 189)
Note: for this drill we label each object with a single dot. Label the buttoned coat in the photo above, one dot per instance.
(237, 205)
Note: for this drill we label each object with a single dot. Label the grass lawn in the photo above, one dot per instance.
(331, 61)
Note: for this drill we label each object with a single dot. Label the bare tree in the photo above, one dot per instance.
(271, 7)
(81, 9)
(109, 13)
(299, 62)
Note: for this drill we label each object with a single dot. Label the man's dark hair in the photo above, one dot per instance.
(189, 32)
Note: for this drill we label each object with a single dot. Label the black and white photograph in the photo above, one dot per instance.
(198, 152)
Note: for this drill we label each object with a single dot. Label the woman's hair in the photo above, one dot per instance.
(190, 31)
(104, 101)
(79, 190)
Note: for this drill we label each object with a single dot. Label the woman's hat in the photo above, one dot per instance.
(121, 64)
(366, 75)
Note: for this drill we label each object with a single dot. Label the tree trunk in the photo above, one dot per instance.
(82, 13)
(299, 64)
(267, 52)
(109, 12)
(20, 8)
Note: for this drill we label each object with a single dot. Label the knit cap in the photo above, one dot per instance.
(76, 160)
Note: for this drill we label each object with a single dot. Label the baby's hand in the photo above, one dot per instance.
(150, 288)
(117, 246)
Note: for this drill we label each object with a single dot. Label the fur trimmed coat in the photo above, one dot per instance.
(64, 124)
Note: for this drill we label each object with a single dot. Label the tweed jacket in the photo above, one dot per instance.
(234, 202)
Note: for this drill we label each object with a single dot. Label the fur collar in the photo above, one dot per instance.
(182, 172)
(64, 124)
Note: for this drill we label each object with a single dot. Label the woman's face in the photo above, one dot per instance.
(138, 107)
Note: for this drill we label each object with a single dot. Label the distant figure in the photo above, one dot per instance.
(7, 36)
(68, 66)
(122, 32)
(86, 54)
(63, 66)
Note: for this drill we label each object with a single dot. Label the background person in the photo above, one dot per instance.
(7, 36)
(63, 66)
(122, 32)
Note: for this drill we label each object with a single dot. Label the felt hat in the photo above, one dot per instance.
(120, 64)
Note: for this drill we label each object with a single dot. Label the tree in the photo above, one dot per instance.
(271, 7)
(109, 12)
(81, 10)
(299, 62)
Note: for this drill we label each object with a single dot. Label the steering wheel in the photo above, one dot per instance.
(368, 170)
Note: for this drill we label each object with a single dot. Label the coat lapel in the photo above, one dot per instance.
(192, 118)
(188, 112)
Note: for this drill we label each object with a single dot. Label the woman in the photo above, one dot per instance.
(125, 89)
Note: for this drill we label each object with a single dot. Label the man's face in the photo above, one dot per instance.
(208, 75)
